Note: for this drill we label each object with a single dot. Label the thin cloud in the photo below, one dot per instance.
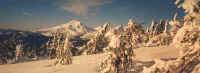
(27, 14)
(82, 7)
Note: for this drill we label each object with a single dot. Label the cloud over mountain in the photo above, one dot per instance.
(82, 7)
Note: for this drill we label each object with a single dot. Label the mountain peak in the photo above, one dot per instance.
(73, 27)
(74, 22)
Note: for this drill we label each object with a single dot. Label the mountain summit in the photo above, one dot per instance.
(74, 28)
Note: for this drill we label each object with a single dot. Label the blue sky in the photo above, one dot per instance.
(34, 13)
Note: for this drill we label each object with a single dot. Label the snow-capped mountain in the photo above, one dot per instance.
(73, 28)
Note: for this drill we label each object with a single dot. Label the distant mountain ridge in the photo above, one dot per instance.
(27, 38)
(33, 44)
